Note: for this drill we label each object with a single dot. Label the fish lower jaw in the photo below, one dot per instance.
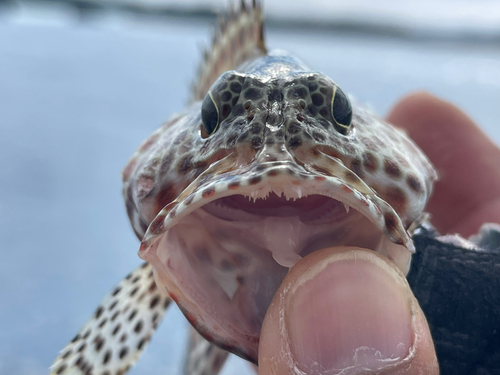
(222, 250)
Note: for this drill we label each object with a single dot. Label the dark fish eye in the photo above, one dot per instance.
(341, 111)
(209, 114)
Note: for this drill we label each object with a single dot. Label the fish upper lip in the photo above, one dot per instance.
(281, 177)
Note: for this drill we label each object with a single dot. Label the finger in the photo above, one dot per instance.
(468, 192)
(345, 309)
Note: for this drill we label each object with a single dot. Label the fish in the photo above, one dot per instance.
(269, 162)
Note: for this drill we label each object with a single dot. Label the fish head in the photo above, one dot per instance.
(274, 163)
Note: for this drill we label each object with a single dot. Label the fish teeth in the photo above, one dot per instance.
(346, 208)
(298, 190)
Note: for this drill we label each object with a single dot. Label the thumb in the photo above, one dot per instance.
(345, 310)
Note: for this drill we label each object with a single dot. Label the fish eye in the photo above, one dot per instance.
(341, 111)
(209, 114)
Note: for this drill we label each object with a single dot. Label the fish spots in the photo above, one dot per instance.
(356, 168)
(256, 128)
(208, 192)
(256, 142)
(138, 327)
(165, 196)
(370, 162)
(154, 302)
(116, 329)
(312, 111)
(87, 334)
(115, 316)
(99, 312)
(157, 225)
(392, 169)
(172, 212)
(318, 136)
(317, 99)
(142, 342)
(295, 142)
(99, 343)
(252, 93)
(346, 189)
(414, 184)
(107, 357)
(255, 180)
(235, 87)
(313, 86)
(233, 185)
(396, 197)
(134, 291)
(391, 223)
(189, 199)
(123, 352)
(350, 177)
(185, 164)
(132, 315)
(166, 162)
(226, 96)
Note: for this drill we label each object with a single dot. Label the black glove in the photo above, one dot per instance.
(459, 292)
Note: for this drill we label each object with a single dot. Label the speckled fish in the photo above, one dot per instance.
(270, 162)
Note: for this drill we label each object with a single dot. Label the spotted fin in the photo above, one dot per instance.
(203, 358)
(237, 38)
(114, 338)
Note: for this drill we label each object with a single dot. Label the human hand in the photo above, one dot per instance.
(339, 301)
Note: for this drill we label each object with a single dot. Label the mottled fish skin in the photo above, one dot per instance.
(276, 131)
(120, 329)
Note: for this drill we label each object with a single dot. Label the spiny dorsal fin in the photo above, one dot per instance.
(203, 357)
(115, 336)
(238, 37)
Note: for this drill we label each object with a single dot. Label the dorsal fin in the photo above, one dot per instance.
(238, 37)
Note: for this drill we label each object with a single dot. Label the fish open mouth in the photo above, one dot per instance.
(223, 247)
